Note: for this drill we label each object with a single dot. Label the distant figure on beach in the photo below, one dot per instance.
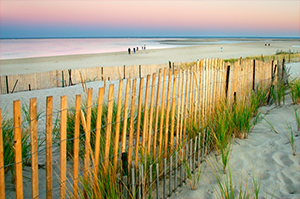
(128, 50)
(221, 49)
(144, 47)
(133, 50)
(137, 48)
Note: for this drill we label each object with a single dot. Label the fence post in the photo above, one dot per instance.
(6, 79)
(62, 79)
(15, 86)
(140, 71)
(157, 181)
(125, 174)
(124, 72)
(102, 74)
(282, 70)
(70, 77)
(18, 149)
(227, 81)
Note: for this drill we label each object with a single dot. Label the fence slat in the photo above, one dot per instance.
(178, 108)
(98, 131)
(173, 112)
(167, 115)
(2, 177)
(139, 122)
(145, 121)
(162, 113)
(76, 146)
(191, 98)
(185, 107)
(200, 93)
(88, 134)
(182, 106)
(63, 146)
(49, 110)
(34, 149)
(124, 130)
(131, 125)
(156, 113)
(108, 126)
(118, 122)
(151, 113)
(196, 89)
(18, 149)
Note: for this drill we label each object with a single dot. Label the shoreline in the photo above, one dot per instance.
(145, 57)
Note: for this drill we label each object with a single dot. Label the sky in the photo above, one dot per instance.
(198, 18)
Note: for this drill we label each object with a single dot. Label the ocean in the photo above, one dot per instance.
(25, 48)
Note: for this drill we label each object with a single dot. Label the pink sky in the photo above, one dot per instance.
(139, 18)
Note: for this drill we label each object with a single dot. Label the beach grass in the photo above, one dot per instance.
(289, 56)
(229, 188)
(8, 139)
(294, 86)
(290, 136)
(297, 117)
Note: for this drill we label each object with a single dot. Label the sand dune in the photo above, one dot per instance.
(265, 154)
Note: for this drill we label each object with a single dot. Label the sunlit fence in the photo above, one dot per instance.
(130, 143)
(64, 78)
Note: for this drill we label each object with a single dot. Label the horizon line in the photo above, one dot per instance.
(152, 37)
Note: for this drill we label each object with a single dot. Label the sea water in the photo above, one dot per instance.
(25, 48)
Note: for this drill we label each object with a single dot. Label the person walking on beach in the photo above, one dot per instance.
(221, 49)
(133, 50)
(128, 50)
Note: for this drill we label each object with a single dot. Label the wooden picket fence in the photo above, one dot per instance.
(142, 139)
(64, 78)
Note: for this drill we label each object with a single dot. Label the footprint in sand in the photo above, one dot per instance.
(289, 184)
(286, 160)
(282, 160)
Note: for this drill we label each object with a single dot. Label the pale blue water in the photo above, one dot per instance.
(24, 48)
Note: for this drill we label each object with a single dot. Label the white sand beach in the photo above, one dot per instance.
(252, 47)
(264, 153)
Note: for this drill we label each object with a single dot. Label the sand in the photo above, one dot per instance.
(159, 56)
(265, 153)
